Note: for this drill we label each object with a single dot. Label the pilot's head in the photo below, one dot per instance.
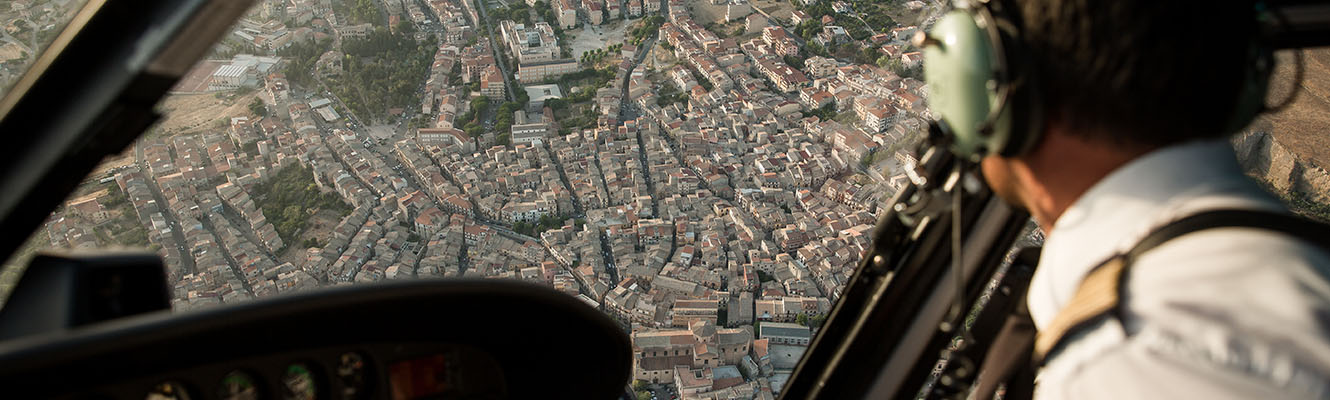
(1117, 79)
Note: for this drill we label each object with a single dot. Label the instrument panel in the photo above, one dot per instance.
(427, 339)
(401, 371)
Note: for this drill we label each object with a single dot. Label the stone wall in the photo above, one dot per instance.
(1264, 157)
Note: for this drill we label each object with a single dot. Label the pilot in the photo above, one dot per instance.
(1138, 98)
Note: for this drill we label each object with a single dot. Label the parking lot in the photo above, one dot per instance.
(590, 37)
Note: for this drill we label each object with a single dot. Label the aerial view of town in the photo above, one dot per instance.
(706, 172)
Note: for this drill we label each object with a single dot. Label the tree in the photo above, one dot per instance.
(257, 108)
(556, 104)
(479, 105)
(473, 129)
(639, 385)
(794, 61)
(801, 319)
(884, 61)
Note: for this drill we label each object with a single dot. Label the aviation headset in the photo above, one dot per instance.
(985, 97)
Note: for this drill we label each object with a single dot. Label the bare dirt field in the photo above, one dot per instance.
(704, 12)
(1302, 126)
(778, 9)
(114, 161)
(188, 113)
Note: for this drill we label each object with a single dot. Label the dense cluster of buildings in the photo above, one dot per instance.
(715, 230)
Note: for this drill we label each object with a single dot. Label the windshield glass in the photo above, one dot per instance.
(704, 172)
(29, 27)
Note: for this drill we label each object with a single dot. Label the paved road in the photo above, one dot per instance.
(494, 46)
(226, 254)
(186, 259)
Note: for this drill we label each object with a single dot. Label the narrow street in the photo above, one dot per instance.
(498, 54)
(578, 211)
(186, 259)
(226, 254)
(242, 225)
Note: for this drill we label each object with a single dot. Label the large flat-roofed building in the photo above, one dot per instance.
(244, 70)
(524, 131)
(538, 94)
(530, 43)
(445, 137)
(540, 71)
(785, 333)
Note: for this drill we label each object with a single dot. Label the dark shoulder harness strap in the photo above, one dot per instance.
(1101, 289)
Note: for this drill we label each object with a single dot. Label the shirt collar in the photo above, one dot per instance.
(1124, 206)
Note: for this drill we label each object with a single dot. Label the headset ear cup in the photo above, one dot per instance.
(958, 70)
(977, 72)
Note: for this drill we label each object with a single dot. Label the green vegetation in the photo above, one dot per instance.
(115, 198)
(675, 97)
(545, 223)
(479, 105)
(286, 197)
(517, 11)
(648, 26)
(808, 28)
(853, 26)
(587, 76)
(814, 321)
(1303, 204)
(546, 13)
(503, 122)
(825, 113)
(795, 61)
(899, 68)
(816, 49)
(717, 29)
(357, 12)
(382, 71)
(300, 60)
(592, 56)
(257, 108)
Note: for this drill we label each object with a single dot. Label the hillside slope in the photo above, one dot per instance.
(1302, 126)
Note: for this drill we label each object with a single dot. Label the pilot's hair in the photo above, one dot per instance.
(1139, 72)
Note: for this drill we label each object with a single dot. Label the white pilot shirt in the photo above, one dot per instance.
(1220, 313)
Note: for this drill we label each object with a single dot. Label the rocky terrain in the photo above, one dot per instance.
(1290, 148)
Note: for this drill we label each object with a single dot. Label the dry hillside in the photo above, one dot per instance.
(1302, 126)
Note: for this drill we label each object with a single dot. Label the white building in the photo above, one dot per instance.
(244, 70)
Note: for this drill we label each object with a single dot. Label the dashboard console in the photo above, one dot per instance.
(427, 339)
